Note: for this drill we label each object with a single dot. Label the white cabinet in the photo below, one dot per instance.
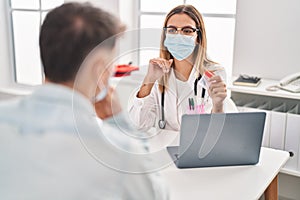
(282, 128)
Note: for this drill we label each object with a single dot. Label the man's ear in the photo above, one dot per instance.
(98, 67)
(97, 63)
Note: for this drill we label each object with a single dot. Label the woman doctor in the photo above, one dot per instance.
(171, 86)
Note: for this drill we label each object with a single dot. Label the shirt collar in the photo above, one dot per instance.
(57, 93)
(193, 75)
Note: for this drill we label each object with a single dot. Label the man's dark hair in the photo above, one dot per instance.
(68, 35)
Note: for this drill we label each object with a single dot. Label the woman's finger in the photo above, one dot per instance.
(217, 85)
(164, 64)
(216, 78)
(170, 63)
(161, 65)
(156, 63)
(218, 90)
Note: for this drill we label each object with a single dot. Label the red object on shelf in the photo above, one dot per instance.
(124, 70)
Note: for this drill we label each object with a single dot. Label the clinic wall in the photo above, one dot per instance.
(6, 74)
(126, 10)
(6, 61)
(6, 96)
(109, 5)
(289, 186)
(8, 87)
(267, 42)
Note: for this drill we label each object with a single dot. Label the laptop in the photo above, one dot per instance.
(221, 139)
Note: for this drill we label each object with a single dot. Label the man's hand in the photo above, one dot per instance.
(109, 106)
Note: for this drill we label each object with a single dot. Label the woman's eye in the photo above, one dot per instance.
(187, 31)
(172, 30)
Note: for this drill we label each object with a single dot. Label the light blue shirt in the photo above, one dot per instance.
(53, 146)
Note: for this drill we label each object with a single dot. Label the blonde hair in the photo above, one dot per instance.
(200, 56)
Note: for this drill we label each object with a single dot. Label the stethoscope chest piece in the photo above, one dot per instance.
(162, 124)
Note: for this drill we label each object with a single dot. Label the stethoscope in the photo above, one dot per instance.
(162, 122)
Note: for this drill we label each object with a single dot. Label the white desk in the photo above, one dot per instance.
(218, 183)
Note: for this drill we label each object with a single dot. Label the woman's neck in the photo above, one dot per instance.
(183, 69)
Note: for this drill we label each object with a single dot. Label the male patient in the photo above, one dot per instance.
(52, 144)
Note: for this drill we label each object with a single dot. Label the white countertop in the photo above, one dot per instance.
(217, 183)
(261, 89)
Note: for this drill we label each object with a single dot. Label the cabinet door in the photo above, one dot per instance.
(292, 141)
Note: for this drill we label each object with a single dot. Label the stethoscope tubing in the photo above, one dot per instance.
(162, 122)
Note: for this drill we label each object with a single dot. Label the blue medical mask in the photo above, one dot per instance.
(102, 94)
(180, 46)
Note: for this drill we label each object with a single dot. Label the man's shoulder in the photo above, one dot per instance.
(120, 132)
(8, 106)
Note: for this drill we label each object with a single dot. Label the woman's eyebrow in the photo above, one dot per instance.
(171, 26)
(187, 26)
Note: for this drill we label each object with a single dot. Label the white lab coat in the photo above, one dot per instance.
(52, 146)
(146, 112)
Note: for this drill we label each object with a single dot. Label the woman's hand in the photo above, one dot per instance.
(218, 92)
(157, 68)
